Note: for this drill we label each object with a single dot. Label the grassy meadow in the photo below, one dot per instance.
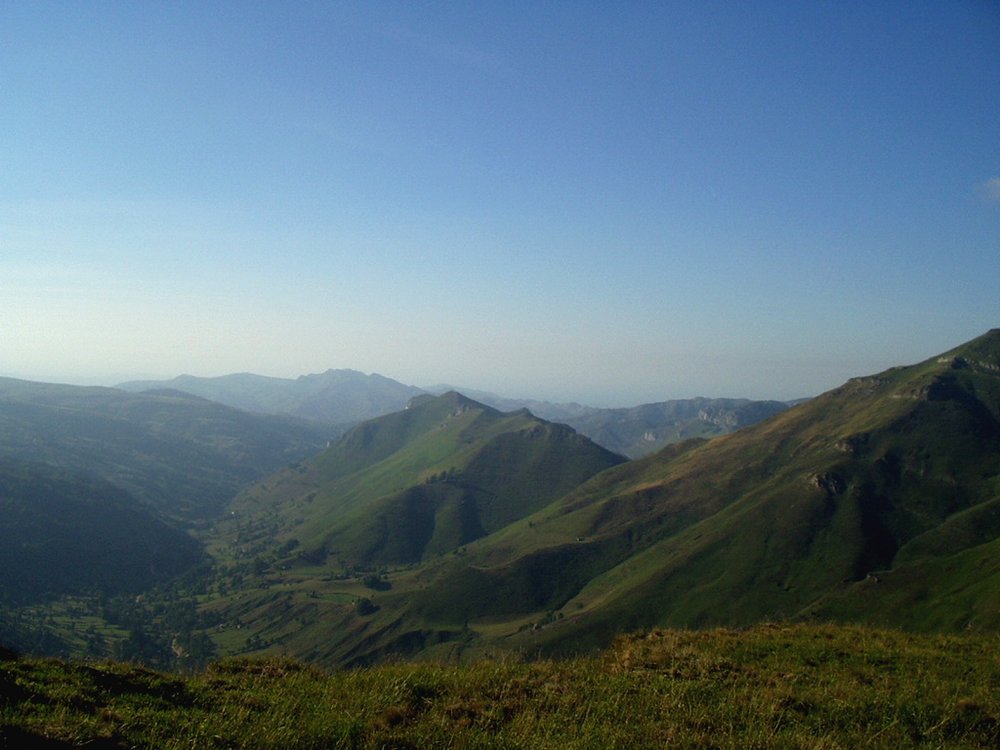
(794, 686)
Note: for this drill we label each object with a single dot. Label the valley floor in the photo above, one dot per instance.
(794, 686)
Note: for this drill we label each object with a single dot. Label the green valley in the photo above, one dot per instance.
(874, 502)
(451, 530)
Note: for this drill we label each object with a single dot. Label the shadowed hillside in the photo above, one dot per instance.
(183, 455)
(65, 532)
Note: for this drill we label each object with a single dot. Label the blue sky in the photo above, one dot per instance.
(603, 202)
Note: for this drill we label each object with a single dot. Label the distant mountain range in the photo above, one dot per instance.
(342, 397)
(346, 397)
(640, 430)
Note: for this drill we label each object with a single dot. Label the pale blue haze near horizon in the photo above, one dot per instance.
(612, 203)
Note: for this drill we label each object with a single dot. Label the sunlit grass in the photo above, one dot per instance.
(770, 686)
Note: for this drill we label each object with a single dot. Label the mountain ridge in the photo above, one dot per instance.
(447, 465)
(450, 527)
(345, 397)
(879, 488)
(639, 430)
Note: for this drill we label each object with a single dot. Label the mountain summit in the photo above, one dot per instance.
(418, 483)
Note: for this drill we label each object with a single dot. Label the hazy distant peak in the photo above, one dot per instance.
(334, 374)
(335, 396)
(451, 399)
(172, 393)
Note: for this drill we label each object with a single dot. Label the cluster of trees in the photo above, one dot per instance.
(165, 632)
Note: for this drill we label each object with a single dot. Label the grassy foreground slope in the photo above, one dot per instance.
(769, 686)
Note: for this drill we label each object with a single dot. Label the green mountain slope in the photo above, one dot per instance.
(799, 515)
(180, 454)
(415, 484)
(64, 532)
(335, 396)
(875, 502)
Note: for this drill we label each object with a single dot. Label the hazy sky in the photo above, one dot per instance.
(606, 202)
